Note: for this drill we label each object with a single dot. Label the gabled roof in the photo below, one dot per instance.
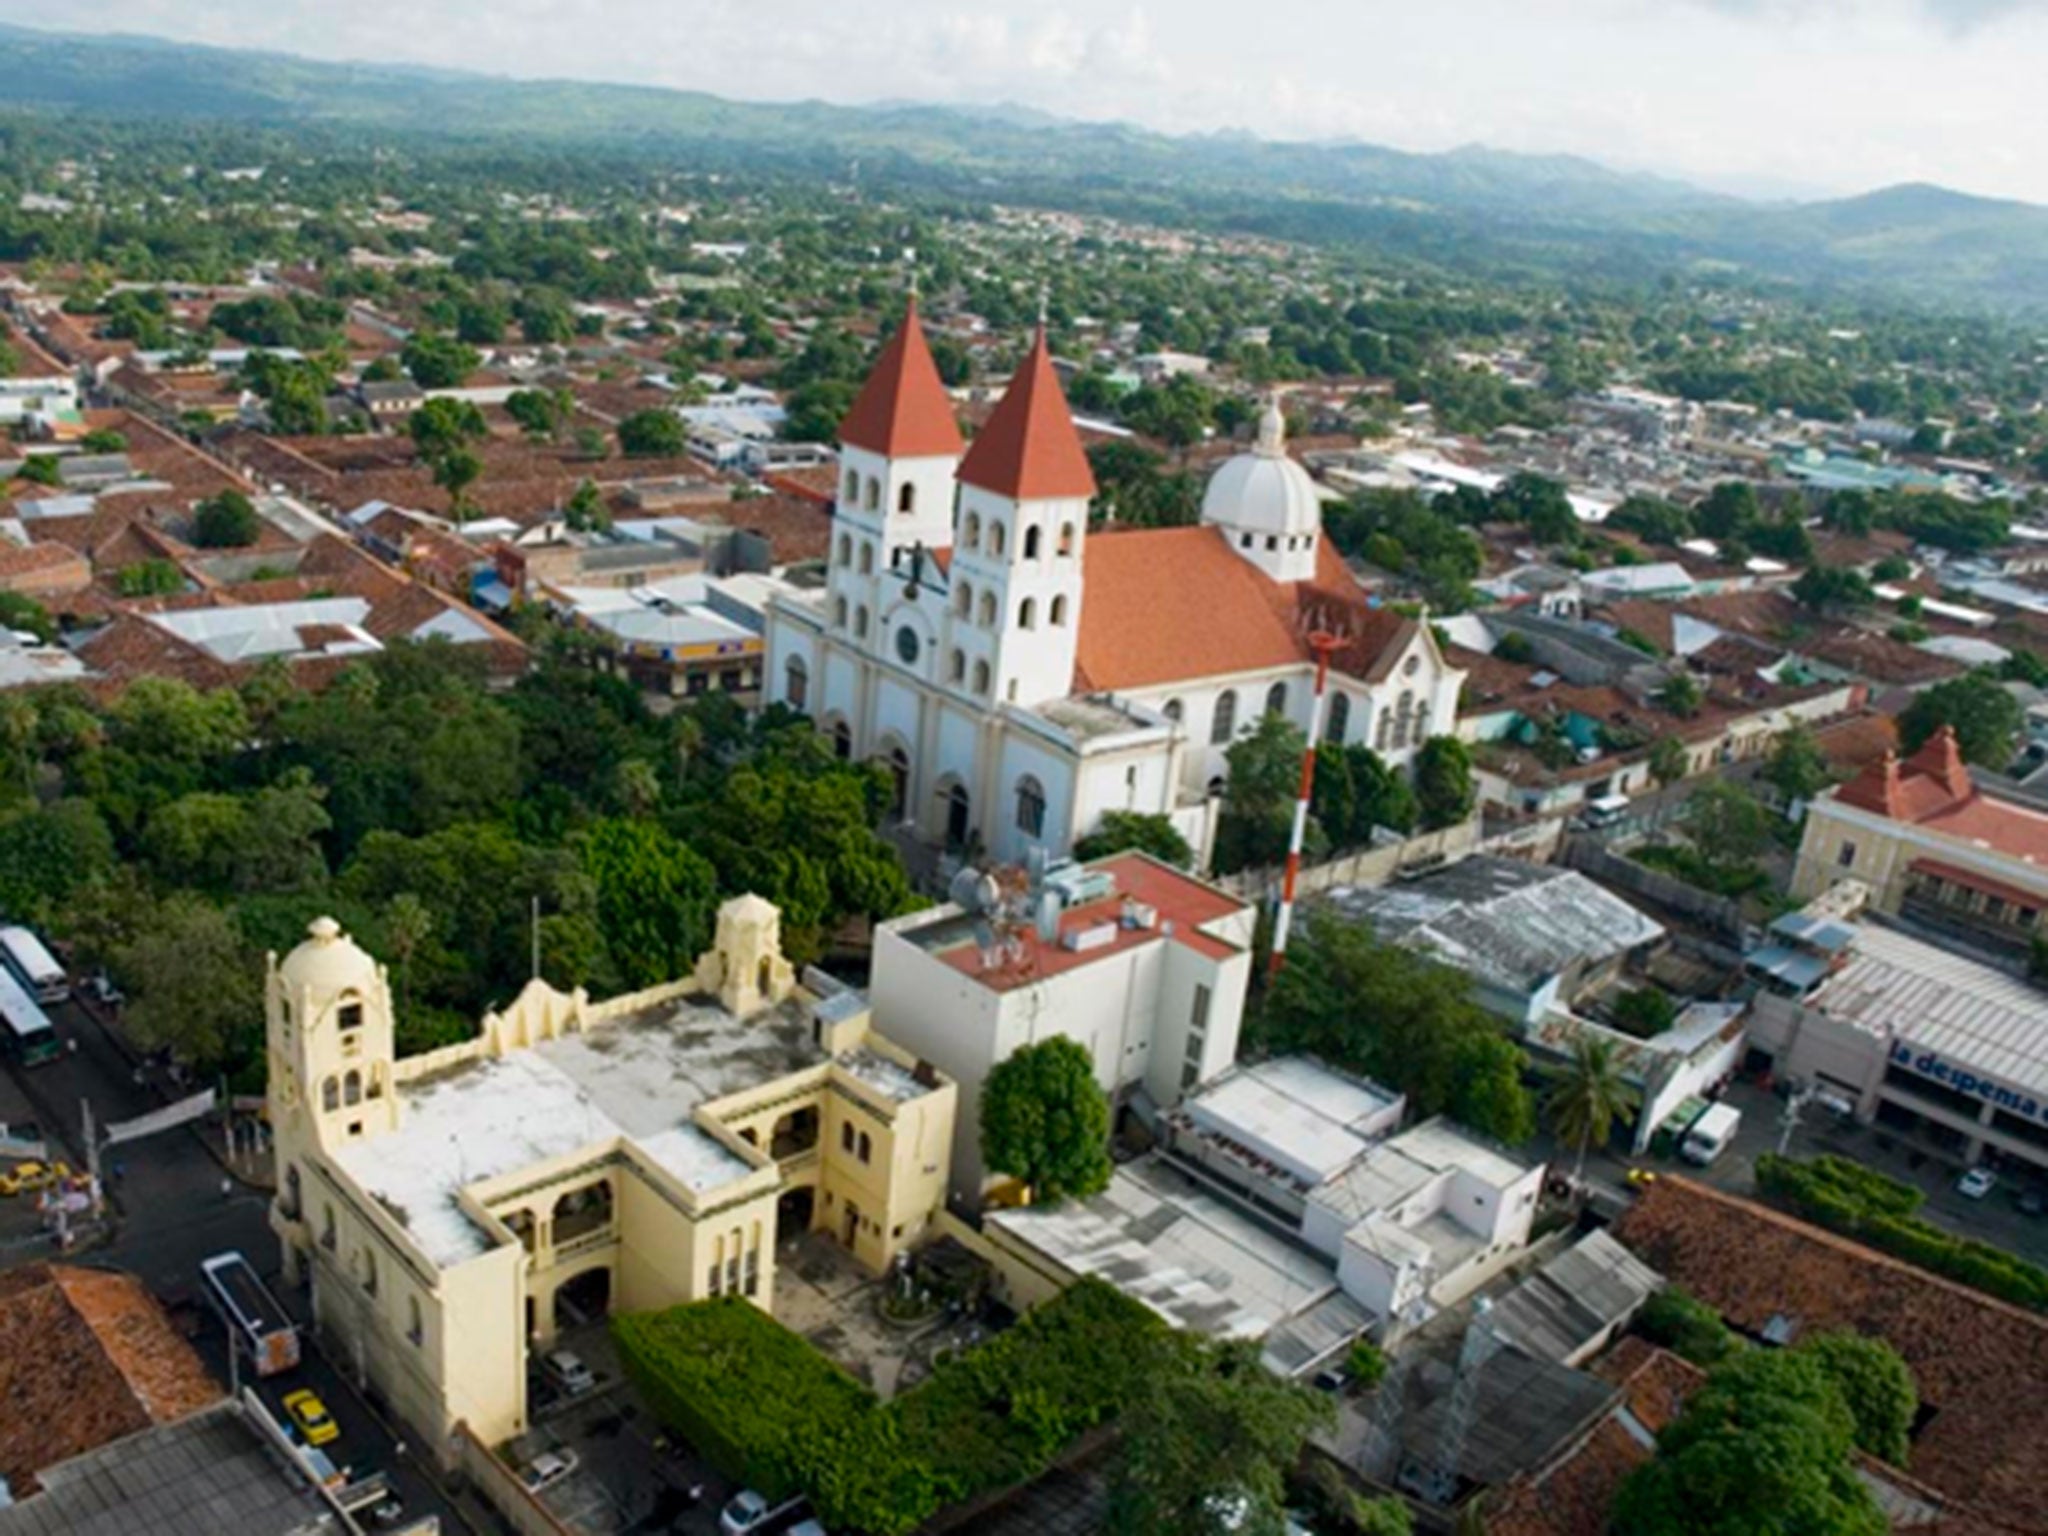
(1029, 450)
(902, 411)
(1167, 605)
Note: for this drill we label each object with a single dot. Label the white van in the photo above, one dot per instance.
(1603, 811)
(1710, 1134)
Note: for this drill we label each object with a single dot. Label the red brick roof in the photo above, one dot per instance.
(1167, 604)
(1029, 450)
(1979, 1362)
(1933, 789)
(86, 1357)
(902, 411)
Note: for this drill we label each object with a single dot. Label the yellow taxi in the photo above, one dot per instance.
(311, 1417)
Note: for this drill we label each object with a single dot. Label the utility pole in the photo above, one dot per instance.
(1788, 1117)
(1323, 645)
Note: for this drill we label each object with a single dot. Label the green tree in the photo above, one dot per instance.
(104, 440)
(1045, 1121)
(1206, 1452)
(1587, 1096)
(656, 898)
(653, 433)
(1761, 1450)
(1121, 830)
(194, 987)
(814, 410)
(40, 469)
(1796, 766)
(1486, 1068)
(1727, 828)
(541, 413)
(149, 578)
(1878, 1387)
(1645, 1011)
(226, 521)
(444, 424)
(1357, 790)
(585, 509)
(1652, 519)
(49, 852)
(1258, 804)
(27, 615)
(1668, 761)
(1680, 695)
(408, 926)
(1538, 504)
(1681, 1323)
(1730, 511)
(1134, 486)
(1444, 786)
(455, 472)
(1827, 588)
(439, 361)
(1985, 717)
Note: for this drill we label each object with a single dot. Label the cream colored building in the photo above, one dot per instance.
(452, 1211)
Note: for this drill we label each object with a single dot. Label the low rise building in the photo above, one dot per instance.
(1933, 847)
(642, 1152)
(1145, 966)
(1906, 1034)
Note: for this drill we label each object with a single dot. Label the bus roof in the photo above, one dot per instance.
(24, 1015)
(29, 952)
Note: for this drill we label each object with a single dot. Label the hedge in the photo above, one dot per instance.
(1843, 1197)
(768, 1410)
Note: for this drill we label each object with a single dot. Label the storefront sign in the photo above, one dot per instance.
(1965, 1081)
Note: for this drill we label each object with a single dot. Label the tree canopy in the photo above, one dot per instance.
(1045, 1121)
(1987, 719)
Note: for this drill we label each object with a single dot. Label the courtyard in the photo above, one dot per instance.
(822, 1294)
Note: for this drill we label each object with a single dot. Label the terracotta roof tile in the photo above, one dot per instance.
(902, 411)
(1979, 1362)
(1167, 604)
(1029, 450)
(86, 1357)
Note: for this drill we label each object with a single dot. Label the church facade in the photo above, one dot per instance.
(1019, 675)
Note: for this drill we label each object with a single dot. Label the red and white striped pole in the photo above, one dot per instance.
(1322, 644)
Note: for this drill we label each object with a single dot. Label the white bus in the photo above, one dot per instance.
(33, 965)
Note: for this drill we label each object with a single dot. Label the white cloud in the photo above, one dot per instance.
(1840, 94)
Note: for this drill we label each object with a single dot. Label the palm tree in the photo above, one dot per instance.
(1587, 1096)
(408, 923)
(638, 786)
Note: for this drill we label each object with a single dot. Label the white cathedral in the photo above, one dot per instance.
(1020, 676)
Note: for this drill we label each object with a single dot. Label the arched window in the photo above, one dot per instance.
(370, 1270)
(330, 1094)
(1031, 542)
(867, 559)
(1027, 614)
(839, 610)
(1404, 719)
(988, 610)
(846, 1135)
(971, 537)
(958, 816)
(956, 667)
(1385, 735)
(874, 497)
(867, 1147)
(981, 677)
(1030, 807)
(1421, 723)
(906, 499)
(1244, 541)
(860, 622)
(899, 777)
(1057, 614)
(327, 1228)
(1066, 538)
(352, 1087)
(852, 487)
(995, 538)
(1276, 699)
(796, 682)
(842, 741)
(963, 600)
(1173, 709)
(1340, 720)
(845, 550)
(1223, 725)
(415, 1325)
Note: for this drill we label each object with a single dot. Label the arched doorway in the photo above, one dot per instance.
(793, 1214)
(956, 808)
(897, 761)
(583, 1299)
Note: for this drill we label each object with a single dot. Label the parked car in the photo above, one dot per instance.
(749, 1513)
(311, 1417)
(1976, 1183)
(567, 1374)
(548, 1469)
(1332, 1378)
(26, 1178)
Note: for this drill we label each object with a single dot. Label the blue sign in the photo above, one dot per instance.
(1966, 1082)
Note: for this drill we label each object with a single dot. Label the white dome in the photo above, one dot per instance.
(1264, 491)
(328, 962)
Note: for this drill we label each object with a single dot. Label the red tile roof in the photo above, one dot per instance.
(1029, 450)
(902, 411)
(1979, 1362)
(86, 1357)
(1933, 789)
(1167, 604)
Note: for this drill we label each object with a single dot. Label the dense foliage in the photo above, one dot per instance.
(1045, 1120)
(768, 1410)
(1844, 1197)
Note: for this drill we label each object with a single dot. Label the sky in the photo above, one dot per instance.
(1761, 97)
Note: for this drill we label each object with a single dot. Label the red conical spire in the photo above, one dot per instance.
(902, 411)
(1029, 450)
(1941, 760)
(1876, 788)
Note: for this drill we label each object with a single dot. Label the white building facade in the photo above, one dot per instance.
(1021, 677)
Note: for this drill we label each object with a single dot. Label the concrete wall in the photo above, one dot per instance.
(1365, 866)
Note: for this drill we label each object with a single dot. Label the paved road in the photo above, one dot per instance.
(171, 1213)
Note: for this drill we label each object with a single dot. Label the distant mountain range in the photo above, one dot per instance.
(1471, 209)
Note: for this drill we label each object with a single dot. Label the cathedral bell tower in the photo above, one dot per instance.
(327, 1008)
